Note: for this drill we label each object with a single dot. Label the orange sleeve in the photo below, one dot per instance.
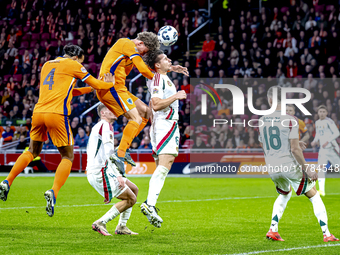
(98, 84)
(142, 67)
(81, 91)
(302, 127)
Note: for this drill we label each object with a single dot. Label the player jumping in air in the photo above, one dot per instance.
(104, 177)
(120, 59)
(164, 130)
(326, 134)
(279, 138)
(50, 114)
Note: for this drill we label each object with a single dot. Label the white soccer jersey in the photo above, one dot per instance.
(101, 134)
(162, 87)
(275, 135)
(326, 131)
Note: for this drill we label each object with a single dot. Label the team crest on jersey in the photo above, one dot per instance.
(169, 83)
(111, 136)
(129, 101)
(83, 69)
(155, 91)
(136, 49)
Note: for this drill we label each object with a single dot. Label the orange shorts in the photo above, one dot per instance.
(117, 99)
(58, 126)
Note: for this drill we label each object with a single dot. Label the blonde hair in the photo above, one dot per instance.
(149, 39)
(100, 108)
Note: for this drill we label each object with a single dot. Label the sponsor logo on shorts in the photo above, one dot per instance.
(169, 83)
(129, 101)
(83, 69)
(155, 91)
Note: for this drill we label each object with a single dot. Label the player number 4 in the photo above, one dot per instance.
(49, 79)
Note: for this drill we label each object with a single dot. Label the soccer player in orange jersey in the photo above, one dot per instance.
(50, 114)
(303, 134)
(120, 59)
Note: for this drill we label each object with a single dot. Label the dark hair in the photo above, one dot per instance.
(73, 50)
(153, 57)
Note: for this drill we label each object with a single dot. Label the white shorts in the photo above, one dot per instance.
(106, 183)
(296, 178)
(164, 136)
(331, 155)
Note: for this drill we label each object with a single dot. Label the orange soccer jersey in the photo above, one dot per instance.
(120, 60)
(58, 78)
(302, 128)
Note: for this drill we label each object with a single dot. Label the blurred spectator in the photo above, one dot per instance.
(81, 138)
(22, 143)
(145, 144)
(208, 44)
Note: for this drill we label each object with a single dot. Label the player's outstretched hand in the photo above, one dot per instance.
(303, 145)
(181, 95)
(121, 182)
(180, 69)
(108, 77)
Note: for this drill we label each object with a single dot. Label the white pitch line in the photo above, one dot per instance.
(289, 249)
(166, 201)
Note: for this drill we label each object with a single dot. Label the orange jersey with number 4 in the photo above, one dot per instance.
(58, 78)
(120, 60)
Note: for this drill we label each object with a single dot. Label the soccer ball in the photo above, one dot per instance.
(167, 35)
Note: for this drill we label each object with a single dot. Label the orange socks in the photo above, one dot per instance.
(142, 125)
(21, 163)
(61, 175)
(129, 134)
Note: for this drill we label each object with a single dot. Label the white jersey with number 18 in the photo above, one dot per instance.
(275, 135)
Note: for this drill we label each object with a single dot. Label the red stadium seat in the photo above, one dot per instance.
(21, 52)
(26, 29)
(32, 44)
(54, 43)
(17, 77)
(26, 37)
(91, 59)
(244, 117)
(254, 117)
(45, 36)
(11, 22)
(35, 37)
(204, 127)
(52, 35)
(329, 8)
(6, 77)
(98, 66)
(319, 8)
(204, 55)
(24, 45)
(284, 9)
(204, 138)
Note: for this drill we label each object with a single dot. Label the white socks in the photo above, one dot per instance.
(156, 184)
(322, 180)
(278, 209)
(124, 216)
(320, 213)
(110, 215)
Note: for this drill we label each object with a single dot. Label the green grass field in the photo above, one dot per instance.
(201, 216)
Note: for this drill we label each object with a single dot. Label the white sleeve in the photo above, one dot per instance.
(157, 87)
(316, 138)
(107, 139)
(335, 131)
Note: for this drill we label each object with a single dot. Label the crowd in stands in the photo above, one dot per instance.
(289, 43)
(292, 44)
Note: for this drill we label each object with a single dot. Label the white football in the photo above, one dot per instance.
(167, 35)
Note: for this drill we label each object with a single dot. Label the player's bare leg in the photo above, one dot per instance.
(163, 163)
(121, 228)
(278, 210)
(128, 200)
(61, 175)
(321, 214)
(22, 162)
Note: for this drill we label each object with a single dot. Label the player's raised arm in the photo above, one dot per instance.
(81, 91)
(108, 82)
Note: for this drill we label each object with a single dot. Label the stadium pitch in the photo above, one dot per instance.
(201, 216)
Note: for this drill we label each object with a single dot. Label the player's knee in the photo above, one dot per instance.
(131, 200)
